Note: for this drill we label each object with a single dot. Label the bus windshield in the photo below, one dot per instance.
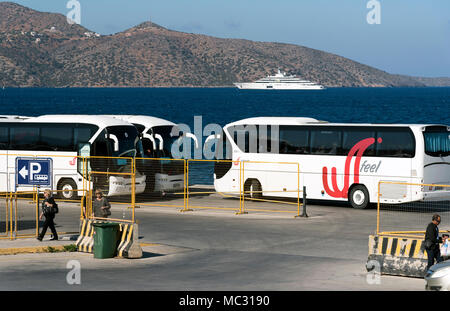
(127, 144)
(437, 142)
(163, 132)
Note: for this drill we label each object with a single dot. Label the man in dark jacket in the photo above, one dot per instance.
(432, 241)
(48, 210)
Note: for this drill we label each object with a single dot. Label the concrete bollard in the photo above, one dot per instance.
(401, 256)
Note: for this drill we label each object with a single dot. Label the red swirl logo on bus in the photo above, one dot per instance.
(73, 162)
(357, 149)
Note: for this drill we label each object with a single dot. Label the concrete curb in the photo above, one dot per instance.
(32, 250)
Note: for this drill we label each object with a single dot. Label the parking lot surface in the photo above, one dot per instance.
(218, 250)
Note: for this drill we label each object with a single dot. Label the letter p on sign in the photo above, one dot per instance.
(35, 168)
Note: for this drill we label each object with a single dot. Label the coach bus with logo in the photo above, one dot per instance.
(342, 162)
(164, 174)
(66, 140)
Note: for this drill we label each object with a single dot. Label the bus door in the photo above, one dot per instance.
(100, 161)
(84, 166)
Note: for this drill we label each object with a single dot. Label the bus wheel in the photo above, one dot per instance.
(66, 189)
(253, 189)
(359, 197)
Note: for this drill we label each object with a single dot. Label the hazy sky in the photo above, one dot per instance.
(413, 37)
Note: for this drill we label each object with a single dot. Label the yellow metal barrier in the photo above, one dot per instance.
(282, 179)
(401, 210)
(246, 185)
(165, 182)
(74, 180)
(23, 215)
(5, 230)
(130, 183)
(200, 191)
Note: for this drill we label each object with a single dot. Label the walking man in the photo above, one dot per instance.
(432, 241)
(49, 209)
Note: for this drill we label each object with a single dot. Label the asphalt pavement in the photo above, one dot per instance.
(218, 250)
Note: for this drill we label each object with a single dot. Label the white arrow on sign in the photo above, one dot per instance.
(24, 172)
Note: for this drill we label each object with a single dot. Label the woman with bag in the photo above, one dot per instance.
(101, 206)
(49, 209)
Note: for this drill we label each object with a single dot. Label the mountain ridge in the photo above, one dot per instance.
(39, 49)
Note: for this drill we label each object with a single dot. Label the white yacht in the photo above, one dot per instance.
(280, 81)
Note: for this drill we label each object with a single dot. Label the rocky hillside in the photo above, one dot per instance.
(43, 50)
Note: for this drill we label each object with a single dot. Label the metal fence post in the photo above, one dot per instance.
(304, 214)
(37, 211)
(186, 187)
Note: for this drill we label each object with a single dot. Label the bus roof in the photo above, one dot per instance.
(101, 121)
(276, 121)
(147, 121)
(311, 121)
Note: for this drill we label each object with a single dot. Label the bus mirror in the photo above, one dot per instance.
(190, 135)
(161, 144)
(84, 150)
(210, 137)
(114, 139)
(151, 138)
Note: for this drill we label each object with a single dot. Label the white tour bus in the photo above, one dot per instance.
(336, 161)
(164, 175)
(63, 138)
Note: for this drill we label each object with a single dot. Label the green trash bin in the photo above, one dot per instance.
(105, 239)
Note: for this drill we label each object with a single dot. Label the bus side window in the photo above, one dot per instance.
(294, 140)
(326, 141)
(4, 140)
(264, 142)
(245, 137)
(397, 143)
(82, 135)
(57, 138)
(223, 151)
(24, 138)
(353, 136)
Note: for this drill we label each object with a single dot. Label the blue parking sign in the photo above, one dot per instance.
(34, 171)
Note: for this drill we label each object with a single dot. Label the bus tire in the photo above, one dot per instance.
(65, 189)
(253, 189)
(359, 197)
